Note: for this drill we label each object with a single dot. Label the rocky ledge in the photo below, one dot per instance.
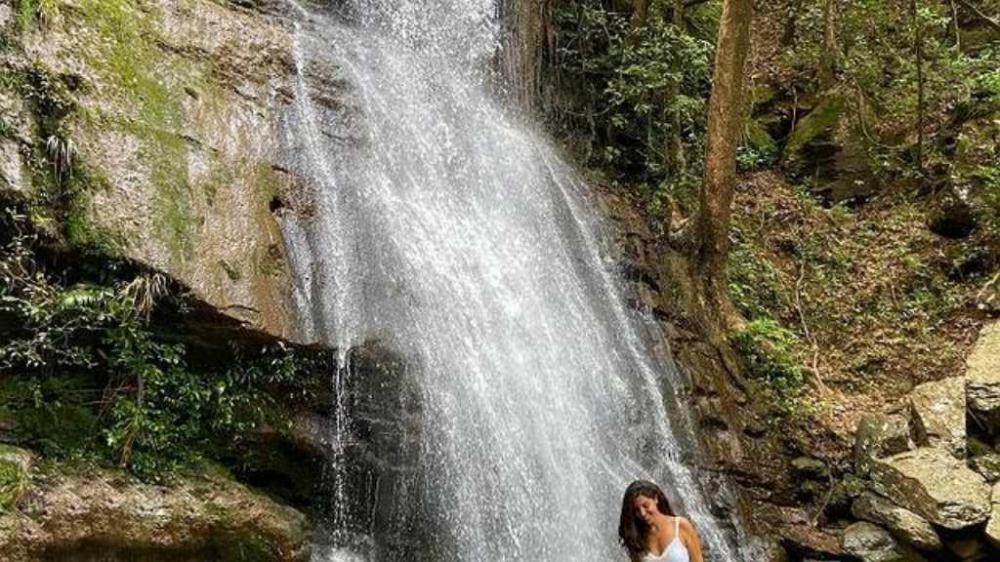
(108, 516)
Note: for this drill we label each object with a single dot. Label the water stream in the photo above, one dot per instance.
(451, 232)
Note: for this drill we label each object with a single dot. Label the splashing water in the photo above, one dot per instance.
(453, 234)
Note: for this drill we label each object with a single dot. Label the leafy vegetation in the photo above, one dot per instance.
(769, 350)
(638, 90)
(84, 373)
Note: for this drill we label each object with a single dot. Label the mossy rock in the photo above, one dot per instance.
(15, 474)
(759, 139)
(822, 118)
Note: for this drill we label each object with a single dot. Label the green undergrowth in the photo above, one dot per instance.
(95, 364)
(869, 301)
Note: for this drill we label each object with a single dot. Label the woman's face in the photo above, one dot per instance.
(646, 508)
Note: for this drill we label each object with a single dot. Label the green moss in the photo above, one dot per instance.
(826, 114)
(13, 475)
(267, 181)
(125, 54)
(231, 272)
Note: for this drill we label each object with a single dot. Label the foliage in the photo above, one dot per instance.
(876, 69)
(85, 372)
(635, 88)
(32, 13)
(768, 350)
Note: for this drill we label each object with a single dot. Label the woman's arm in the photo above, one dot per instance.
(691, 541)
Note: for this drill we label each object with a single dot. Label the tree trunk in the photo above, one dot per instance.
(724, 121)
(828, 57)
(640, 13)
(676, 161)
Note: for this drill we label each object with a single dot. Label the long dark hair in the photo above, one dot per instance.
(632, 529)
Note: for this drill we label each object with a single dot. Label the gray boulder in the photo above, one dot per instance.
(939, 414)
(935, 485)
(983, 375)
(872, 543)
(879, 435)
(902, 523)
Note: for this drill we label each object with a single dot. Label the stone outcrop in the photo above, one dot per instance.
(175, 128)
(939, 414)
(935, 485)
(64, 517)
(871, 543)
(902, 523)
(983, 376)
(879, 435)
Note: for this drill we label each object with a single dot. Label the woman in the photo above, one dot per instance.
(650, 531)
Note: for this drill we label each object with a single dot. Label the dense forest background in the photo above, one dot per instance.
(867, 211)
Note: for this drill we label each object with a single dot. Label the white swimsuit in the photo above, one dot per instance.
(675, 551)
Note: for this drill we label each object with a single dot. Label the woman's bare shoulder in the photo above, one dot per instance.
(686, 525)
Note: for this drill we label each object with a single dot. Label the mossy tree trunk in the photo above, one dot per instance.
(724, 121)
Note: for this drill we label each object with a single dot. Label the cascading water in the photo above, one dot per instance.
(454, 235)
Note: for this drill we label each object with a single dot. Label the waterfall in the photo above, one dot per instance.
(448, 230)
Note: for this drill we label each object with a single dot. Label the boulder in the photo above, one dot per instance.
(939, 414)
(982, 376)
(993, 527)
(879, 435)
(71, 516)
(15, 474)
(871, 543)
(902, 523)
(935, 485)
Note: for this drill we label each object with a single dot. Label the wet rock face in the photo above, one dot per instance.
(108, 517)
(177, 105)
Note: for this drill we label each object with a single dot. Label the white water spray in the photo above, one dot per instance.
(456, 237)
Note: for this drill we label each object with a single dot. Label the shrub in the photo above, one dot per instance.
(768, 350)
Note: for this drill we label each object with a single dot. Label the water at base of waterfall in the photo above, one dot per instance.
(446, 229)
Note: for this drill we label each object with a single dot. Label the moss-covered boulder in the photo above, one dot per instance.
(821, 119)
(15, 474)
(73, 516)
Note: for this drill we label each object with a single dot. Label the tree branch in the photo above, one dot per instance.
(988, 20)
